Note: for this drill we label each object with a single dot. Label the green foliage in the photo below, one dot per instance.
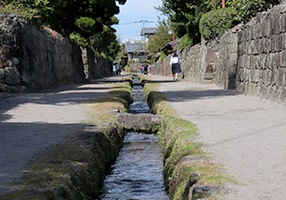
(18, 8)
(162, 55)
(86, 25)
(214, 23)
(248, 9)
(185, 15)
(185, 41)
(78, 39)
(78, 19)
(161, 37)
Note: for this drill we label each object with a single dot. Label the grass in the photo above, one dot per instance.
(117, 100)
(182, 151)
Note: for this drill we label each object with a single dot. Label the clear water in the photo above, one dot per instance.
(137, 172)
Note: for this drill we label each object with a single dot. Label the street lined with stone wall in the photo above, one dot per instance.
(250, 57)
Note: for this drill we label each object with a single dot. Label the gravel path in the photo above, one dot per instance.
(246, 134)
(31, 122)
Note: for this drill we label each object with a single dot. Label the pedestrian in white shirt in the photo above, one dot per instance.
(175, 64)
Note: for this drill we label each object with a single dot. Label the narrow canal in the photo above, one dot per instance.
(137, 172)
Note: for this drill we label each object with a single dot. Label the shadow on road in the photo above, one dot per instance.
(186, 95)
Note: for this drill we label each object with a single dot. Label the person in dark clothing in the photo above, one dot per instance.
(145, 68)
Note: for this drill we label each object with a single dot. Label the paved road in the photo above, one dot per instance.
(31, 122)
(244, 133)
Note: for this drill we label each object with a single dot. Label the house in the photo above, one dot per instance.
(134, 51)
(171, 46)
(148, 32)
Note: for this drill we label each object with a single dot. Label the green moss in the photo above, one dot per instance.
(178, 139)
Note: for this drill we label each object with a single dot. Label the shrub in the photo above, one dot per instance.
(214, 23)
(185, 41)
(248, 9)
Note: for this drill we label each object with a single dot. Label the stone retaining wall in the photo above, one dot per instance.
(250, 58)
(262, 55)
(33, 58)
(95, 68)
(199, 62)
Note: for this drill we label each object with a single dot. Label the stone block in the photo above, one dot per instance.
(278, 43)
(281, 77)
(272, 61)
(282, 96)
(278, 60)
(268, 29)
(12, 76)
(283, 58)
(263, 75)
(268, 78)
(267, 45)
(1, 73)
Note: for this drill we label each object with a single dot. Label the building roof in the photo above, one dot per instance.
(131, 48)
(148, 31)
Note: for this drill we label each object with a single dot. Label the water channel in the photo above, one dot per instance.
(137, 172)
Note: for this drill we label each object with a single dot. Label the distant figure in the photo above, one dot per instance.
(114, 68)
(145, 68)
(175, 64)
(141, 68)
(119, 70)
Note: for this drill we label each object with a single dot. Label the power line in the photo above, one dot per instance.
(141, 21)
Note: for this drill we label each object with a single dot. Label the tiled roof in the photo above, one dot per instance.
(134, 48)
(148, 31)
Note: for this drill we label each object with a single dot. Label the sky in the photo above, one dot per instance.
(131, 13)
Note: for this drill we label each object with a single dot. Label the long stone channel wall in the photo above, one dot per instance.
(250, 58)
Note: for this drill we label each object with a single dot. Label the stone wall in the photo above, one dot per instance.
(250, 58)
(95, 68)
(199, 62)
(33, 58)
(262, 55)
(227, 60)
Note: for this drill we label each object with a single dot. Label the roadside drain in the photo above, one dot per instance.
(137, 172)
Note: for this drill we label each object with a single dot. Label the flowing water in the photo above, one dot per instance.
(137, 172)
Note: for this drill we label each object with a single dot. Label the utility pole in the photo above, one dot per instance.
(223, 3)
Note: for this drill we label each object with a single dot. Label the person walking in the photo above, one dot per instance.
(175, 64)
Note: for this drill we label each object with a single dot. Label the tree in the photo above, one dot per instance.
(83, 18)
(247, 9)
(161, 37)
(185, 15)
(215, 23)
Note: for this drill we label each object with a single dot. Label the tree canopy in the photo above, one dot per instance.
(161, 37)
(186, 15)
(80, 19)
